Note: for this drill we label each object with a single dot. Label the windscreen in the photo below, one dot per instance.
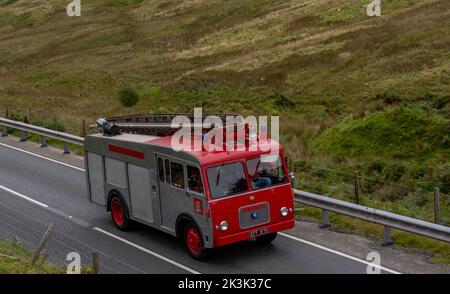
(227, 179)
(266, 171)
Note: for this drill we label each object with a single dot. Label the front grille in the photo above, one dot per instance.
(253, 215)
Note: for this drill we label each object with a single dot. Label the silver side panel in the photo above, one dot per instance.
(140, 193)
(96, 178)
(115, 173)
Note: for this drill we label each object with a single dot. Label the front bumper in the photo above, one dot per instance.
(245, 235)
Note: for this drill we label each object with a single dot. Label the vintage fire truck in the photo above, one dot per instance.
(209, 199)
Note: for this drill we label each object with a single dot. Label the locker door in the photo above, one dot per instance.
(96, 178)
(140, 192)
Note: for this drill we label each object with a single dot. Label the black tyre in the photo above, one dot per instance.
(119, 213)
(193, 241)
(266, 239)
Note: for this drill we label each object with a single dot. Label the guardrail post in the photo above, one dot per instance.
(387, 241)
(43, 141)
(23, 136)
(66, 148)
(325, 218)
(4, 132)
(437, 206)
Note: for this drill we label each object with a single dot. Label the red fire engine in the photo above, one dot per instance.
(209, 199)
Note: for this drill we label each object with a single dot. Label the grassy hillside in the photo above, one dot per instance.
(352, 92)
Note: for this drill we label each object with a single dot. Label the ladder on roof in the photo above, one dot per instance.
(155, 124)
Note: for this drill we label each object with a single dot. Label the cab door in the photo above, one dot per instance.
(172, 190)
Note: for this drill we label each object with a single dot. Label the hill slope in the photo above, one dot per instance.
(313, 62)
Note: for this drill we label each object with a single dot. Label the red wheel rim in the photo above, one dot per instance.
(194, 241)
(117, 212)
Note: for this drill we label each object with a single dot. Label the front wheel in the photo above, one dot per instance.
(266, 239)
(119, 214)
(193, 242)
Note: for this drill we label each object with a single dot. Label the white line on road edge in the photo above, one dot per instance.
(41, 156)
(147, 251)
(339, 253)
(23, 196)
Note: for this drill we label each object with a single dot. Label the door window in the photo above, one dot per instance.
(177, 172)
(161, 169)
(195, 183)
(167, 166)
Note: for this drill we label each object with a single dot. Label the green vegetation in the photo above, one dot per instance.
(16, 260)
(399, 133)
(352, 92)
(128, 97)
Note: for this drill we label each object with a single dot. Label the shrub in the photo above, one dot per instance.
(388, 97)
(128, 97)
(284, 100)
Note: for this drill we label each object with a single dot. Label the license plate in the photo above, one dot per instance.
(259, 232)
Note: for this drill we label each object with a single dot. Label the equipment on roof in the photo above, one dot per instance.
(108, 129)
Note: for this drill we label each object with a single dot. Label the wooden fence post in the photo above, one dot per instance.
(437, 206)
(95, 263)
(357, 187)
(54, 121)
(42, 243)
(83, 130)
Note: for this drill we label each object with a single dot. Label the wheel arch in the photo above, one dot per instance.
(113, 193)
(182, 220)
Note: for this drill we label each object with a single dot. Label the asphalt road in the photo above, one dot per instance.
(35, 192)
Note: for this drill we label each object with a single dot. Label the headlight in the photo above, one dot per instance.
(284, 211)
(224, 225)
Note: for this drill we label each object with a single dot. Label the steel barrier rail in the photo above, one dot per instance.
(388, 219)
(67, 138)
(381, 217)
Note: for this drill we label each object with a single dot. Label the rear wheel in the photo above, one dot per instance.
(266, 239)
(193, 242)
(119, 214)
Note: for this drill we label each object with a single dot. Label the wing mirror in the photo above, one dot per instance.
(291, 172)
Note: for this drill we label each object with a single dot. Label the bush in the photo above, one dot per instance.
(128, 97)
(284, 100)
(388, 97)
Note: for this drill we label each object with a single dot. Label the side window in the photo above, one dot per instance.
(195, 183)
(177, 175)
(167, 166)
(161, 169)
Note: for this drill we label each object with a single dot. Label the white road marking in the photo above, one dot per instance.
(339, 253)
(147, 251)
(164, 258)
(43, 157)
(23, 196)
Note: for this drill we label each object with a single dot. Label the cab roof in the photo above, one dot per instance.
(216, 157)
